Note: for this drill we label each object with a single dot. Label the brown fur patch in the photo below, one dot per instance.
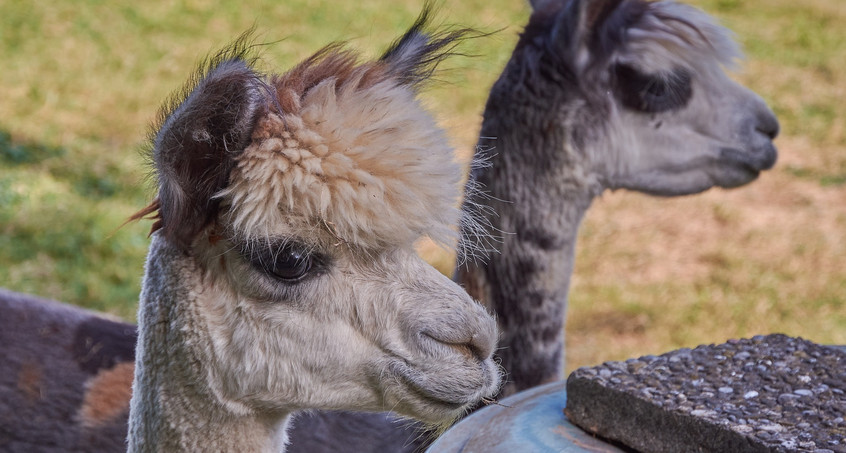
(29, 381)
(331, 62)
(149, 212)
(107, 395)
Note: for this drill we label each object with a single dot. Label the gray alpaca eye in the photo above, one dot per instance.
(652, 93)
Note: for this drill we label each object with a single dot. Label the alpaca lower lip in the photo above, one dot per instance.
(425, 394)
(747, 168)
(439, 402)
(751, 161)
(431, 399)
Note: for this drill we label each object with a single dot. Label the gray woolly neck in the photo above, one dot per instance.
(173, 408)
(538, 186)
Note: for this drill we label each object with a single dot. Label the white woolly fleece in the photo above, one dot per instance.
(364, 160)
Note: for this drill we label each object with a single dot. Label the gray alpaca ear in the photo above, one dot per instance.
(195, 148)
(592, 30)
(593, 13)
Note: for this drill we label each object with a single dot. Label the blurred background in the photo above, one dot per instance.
(81, 81)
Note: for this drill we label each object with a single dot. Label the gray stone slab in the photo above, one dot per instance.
(765, 394)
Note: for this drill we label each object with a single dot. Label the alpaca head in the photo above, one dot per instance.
(651, 104)
(298, 197)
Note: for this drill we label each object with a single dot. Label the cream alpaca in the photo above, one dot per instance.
(281, 275)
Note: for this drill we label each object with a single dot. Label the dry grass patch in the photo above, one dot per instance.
(656, 274)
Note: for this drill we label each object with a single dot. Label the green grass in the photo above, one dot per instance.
(82, 80)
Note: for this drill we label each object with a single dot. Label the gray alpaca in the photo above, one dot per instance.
(603, 94)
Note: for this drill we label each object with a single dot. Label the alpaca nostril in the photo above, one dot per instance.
(768, 125)
(465, 350)
(471, 350)
(476, 348)
(769, 132)
(481, 345)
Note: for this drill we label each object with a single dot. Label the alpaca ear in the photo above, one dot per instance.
(602, 28)
(195, 148)
(413, 57)
(594, 12)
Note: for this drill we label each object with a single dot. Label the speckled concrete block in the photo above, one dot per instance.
(765, 394)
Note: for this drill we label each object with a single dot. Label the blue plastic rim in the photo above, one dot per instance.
(530, 421)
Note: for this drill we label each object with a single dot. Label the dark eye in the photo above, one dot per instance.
(288, 262)
(289, 265)
(652, 93)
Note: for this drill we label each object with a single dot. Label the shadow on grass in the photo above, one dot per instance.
(85, 181)
(60, 209)
(14, 152)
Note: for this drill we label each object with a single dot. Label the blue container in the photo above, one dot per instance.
(528, 422)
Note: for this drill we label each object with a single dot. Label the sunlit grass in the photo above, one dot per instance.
(82, 80)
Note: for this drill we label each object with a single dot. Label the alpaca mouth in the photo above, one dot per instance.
(739, 167)
(435, 390)
(431, 399)
(752, 161)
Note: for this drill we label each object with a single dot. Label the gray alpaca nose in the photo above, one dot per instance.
(767, 124)
(448, 322)
(483, 342)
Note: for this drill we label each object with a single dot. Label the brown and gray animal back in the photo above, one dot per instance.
(65, 377)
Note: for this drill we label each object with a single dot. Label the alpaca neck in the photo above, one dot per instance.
(540, 196)
(174, 407)
(526, 286)
(174, 420)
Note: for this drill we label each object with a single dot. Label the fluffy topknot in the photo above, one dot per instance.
(352, 148)
(333, 142)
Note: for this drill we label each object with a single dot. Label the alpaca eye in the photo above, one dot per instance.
(651, 93)
(656, 90)
(290, 265)
(288, 262)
